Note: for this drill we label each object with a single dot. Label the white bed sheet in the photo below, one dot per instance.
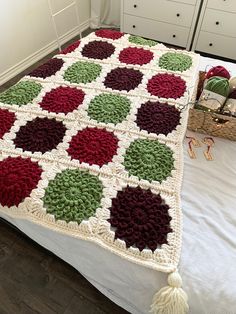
(208, 258)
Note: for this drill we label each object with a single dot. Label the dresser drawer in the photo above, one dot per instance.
(164, 32)
(224, 5)
(219, 22)
(217, 45)
(161, 10)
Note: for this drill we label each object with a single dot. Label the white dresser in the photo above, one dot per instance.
(216, 31)
(167, 21)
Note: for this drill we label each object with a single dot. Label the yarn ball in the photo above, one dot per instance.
(218, 85)
(232, 95)
(218, 71)
(232, 84)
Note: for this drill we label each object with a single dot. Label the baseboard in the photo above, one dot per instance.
(27, 62)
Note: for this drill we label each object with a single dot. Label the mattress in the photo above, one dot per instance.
(208, 251)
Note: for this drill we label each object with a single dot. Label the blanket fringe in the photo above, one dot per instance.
(171, 299)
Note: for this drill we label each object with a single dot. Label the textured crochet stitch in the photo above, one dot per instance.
(21, 94)
(91, 145)
(109, 108)
(149, 160)
(142, 41)
(82, 72)
(73, 195)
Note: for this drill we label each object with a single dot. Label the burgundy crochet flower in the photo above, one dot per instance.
(40, 135)
(123, 79)
(7, 119)
(47, 69)
(166, 86)
(62, 99)
(98, 50)
(158, 118)
(70, 48)
(93, 146)
(134, 55)
(140, 218)
(108, 33)
(18, 177)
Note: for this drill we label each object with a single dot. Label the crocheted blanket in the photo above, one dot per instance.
(91, 146)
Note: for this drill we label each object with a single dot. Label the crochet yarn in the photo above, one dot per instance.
(21, 94)
(134, 55)
(175, 61)
(149, 160)
(142, 41)
(98, 50)
(48, 69)
(218, 85)
(18, 177)
(230, 105)
(62, 99)
(40, 135)
(73, 195)
(70, 48)
(93, 146)
(218, 71)
(109, 108)
(7, 119)
(232, 84)
(140, 218)
(123, 79)
(158, 118)
(166, 86)
(109, 34)
(82, 72)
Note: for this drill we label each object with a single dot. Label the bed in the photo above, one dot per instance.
(208, 251)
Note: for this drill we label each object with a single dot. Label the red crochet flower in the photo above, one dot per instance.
(7, 119)
(123, 79)
(98, 50)
(134, 55)
(166, 86)
(140, 218)
(47, 69)
(93, 146)
(18, 177)
(70, 48)
(62, 99)
(108, 33)
(40, 135)
(158, 118)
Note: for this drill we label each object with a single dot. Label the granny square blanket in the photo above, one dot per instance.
(91, 146)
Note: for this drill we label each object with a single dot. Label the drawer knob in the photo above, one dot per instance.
(174, 35)
(178, 14)
(217, 23)
(211, 44)
(134, 26)
(135, 5)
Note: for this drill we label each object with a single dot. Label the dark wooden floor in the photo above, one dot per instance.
(34, 281)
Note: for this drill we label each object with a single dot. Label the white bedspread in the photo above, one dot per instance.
(208, 259)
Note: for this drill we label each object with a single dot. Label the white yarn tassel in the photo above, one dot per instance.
(171, 299)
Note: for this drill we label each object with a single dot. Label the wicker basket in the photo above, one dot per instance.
(210, 123)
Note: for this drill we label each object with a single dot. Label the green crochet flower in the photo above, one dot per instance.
(73, 195)
(175, 61)
(21, 94)
(142, 41)
(149, 160)
(82, 72)
(109, 108)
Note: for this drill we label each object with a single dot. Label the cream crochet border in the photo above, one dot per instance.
(113, 176)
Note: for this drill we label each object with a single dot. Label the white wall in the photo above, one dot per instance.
(27, 34)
